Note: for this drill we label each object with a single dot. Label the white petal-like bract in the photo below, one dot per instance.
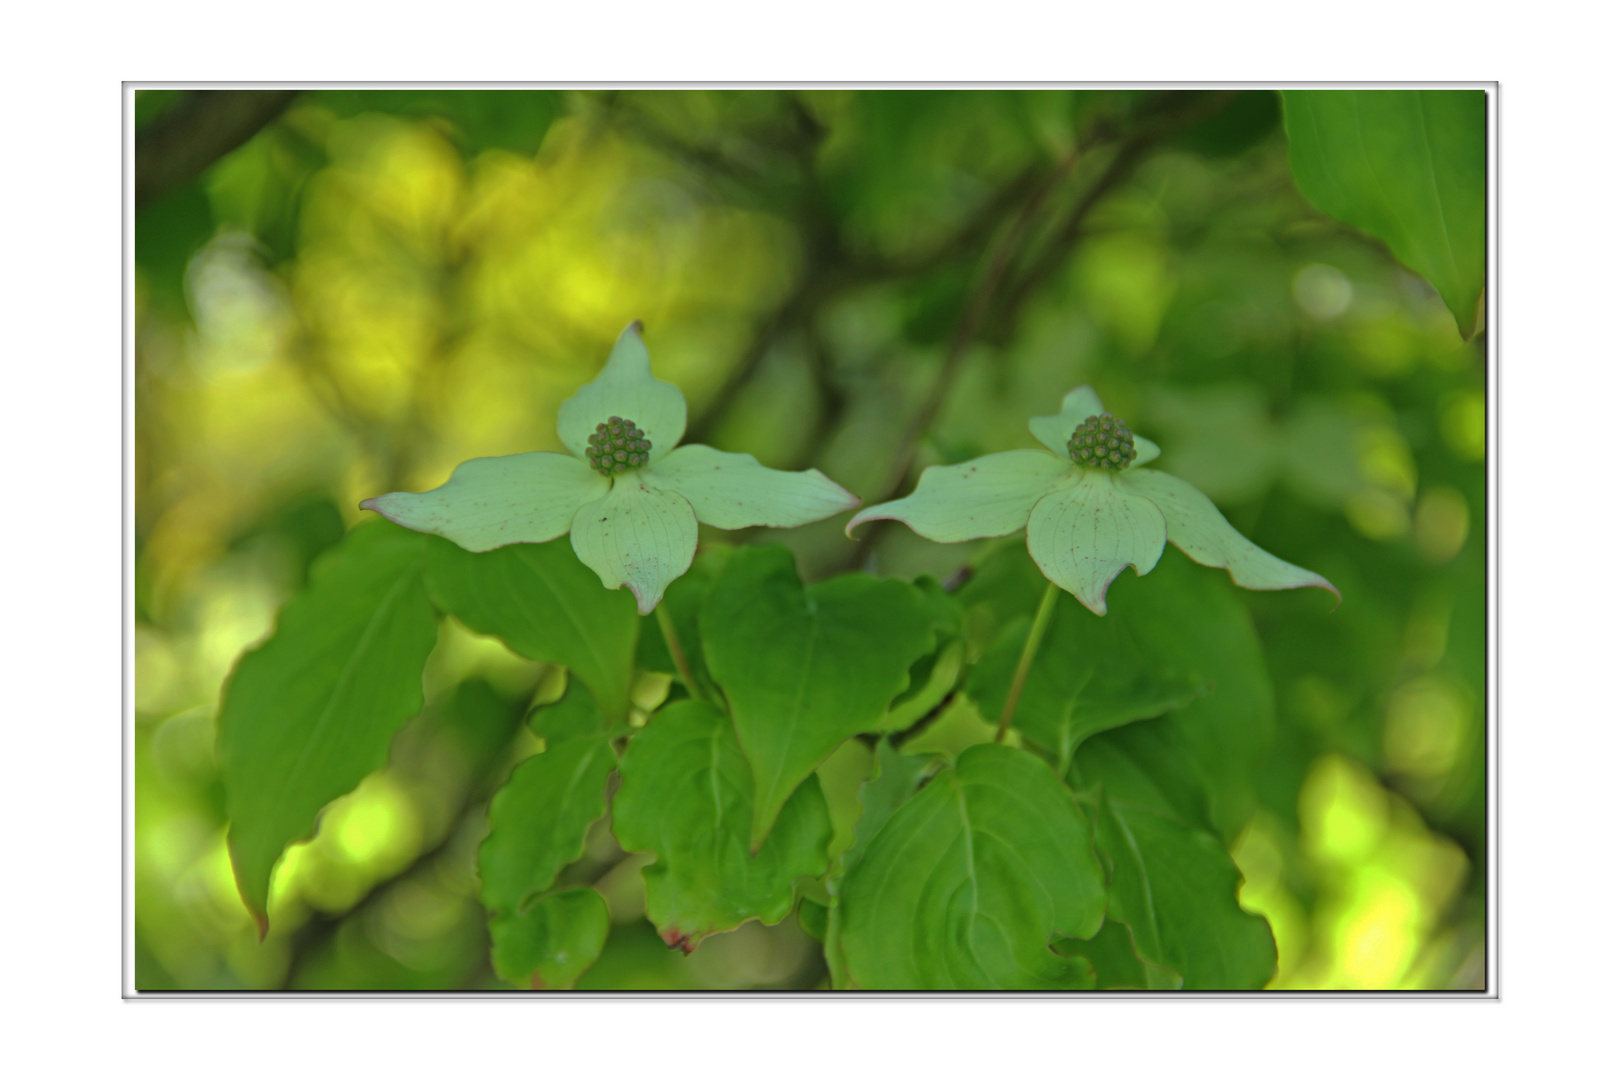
(1081, 538)
(988, 496)
(638, 537)
(1197, 528)
(625, 388)
(734, 491)
(494, 501)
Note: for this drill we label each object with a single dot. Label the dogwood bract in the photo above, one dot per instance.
(628, 497)
(1087, 507)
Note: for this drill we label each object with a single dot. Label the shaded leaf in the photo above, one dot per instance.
(964, 885)
(537, 821)
(570, 716)
(936, 673)
(1090, 674)
(1176, 887)
(1113, 953)
(1194, 620)
(310, 712)
(1404, 166)
(805, 669)
(897, 778)
(551, 945)
(686, 797)
(546, 605)
(683, 601)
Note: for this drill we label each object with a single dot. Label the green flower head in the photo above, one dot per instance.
(1087, 506)
(628, 497)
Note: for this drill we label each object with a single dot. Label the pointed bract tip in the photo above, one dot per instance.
(262, 921)
(635, 327)
(370, 504)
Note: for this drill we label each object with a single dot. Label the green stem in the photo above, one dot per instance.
(1037, 630)
(673, 643)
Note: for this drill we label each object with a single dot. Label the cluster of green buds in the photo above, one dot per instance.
(617, 447)
(1102, 442)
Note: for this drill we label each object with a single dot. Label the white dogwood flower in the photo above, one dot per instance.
(628, 497)
(1087, 506)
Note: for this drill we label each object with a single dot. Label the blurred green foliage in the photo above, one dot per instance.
(381, 284)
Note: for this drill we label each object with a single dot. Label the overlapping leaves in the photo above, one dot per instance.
(805, 668)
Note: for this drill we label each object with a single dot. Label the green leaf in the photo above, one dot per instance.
(936, 674)
(1090, 674)
(1113, 953)
(537, 821)
(541, 601)
(965, 884)
(570, 716)
(551, 945)
(1195, 621)
(682, 602)
(1404, 166)
(805, 669)
(897, 778)
(310, 712)
(686, 797)
(1176, 887)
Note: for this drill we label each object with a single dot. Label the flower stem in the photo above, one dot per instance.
(1037, 630)
(673, 643)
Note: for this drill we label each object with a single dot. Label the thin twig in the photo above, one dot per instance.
(197, 131)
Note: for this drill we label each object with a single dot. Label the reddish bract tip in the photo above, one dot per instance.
(677, 940)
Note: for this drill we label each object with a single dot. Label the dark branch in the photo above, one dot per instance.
(201, 128)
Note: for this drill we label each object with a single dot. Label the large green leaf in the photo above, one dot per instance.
(1176, 887)
(1171, 880)
(537, 821)
(1405, 166)
(965, 885)
(805, 669)
(546, 605)
(310, 712)
(898, 777)
(686, 797)
(549, 946)
(1090, 674)
(1194, 620)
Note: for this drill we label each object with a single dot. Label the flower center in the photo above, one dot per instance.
(1102, 443)
(617, 447)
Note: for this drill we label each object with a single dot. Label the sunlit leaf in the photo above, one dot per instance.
(686, 797)
(964, 885)
(310, 712)
(805, 669)
(549, 946)
(541, 601)
(537, 821)
(1405, 166)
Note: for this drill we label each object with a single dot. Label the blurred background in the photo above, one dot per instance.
(345, 292)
